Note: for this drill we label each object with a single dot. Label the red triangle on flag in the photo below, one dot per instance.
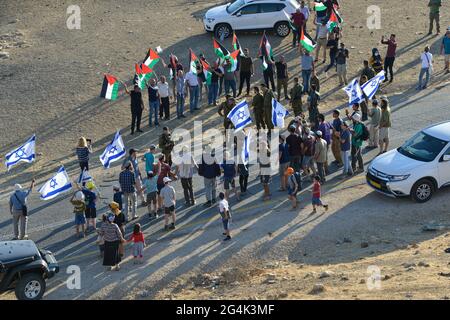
(145, 69)
(111, 79)
(153, 55)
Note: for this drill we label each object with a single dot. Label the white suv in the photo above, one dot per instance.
(416, 169)
(250, 15)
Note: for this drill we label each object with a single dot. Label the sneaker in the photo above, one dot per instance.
(227, 238)
(172, 227)
(326, 207)
(166, 228)
(139, 130)
(313, 212)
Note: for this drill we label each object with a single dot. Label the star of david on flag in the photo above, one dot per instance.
(278, 114)
(354, 92)
(114, 151)
(25, 153)
(240, 116)
(370, 88)
(57, 185)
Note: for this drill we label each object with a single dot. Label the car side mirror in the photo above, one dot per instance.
(238, 14)
(446, 157)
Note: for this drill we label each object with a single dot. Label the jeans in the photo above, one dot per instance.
(130, 197)
(188, 191)
(321, 170)
(347, 169)
(244, 77)
(212, 92)
(357, 157)
(153, 109)
(193, 98)
(423, 71)
(243, 182)
(136, 115)
(210, 188)
(230, 84)
(165, 107)
(18, 217)
(306, 75)
(220, 86)
(332, 61)
(388, 65)
(268, 77)
(180, 105)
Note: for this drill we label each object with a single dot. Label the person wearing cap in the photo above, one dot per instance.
(224, 109)
(90, 199)
(268, 96)
(258, 109)
(374, 125)
(294, 185)
(127, 183)
(151, 191)
(357, 141)
(335, 137)
(345, 141)
(137, 106)
(112, 236)
(18, 210)
(166, 144)
(320, 154)
(149, 158)
(184, 169)
(169, 199)
(296, 97)
(385, 124)
(79, 208)
(445, 50)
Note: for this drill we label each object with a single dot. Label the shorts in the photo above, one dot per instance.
(291, 192)
(151, 197)
(80, 219)
(322, 42)
(341, 69)
(316, 201)
(169, 210)
(384, 134)
(226, 224)
(91, 213)
(227, 182)
(306, 161)
(266, 179)
(283, 167)
(160, 186)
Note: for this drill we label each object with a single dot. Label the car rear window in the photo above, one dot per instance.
(272, 7)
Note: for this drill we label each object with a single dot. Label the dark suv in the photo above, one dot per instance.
(24, 268)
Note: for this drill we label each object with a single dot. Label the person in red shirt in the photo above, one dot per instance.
(298, 21)
(390, 56)
(316, 196)
(138, 243)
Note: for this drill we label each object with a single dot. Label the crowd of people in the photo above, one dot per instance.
(303, 151)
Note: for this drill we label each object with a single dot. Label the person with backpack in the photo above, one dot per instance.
(358, 136)
(294, 182)
(18, 210)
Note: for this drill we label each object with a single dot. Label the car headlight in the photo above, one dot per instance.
(398, 178)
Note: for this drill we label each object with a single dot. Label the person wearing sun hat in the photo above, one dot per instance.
(90, 199)
(168, 196)
(112, 237)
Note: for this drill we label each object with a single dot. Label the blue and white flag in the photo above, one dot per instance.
(354, 92)
(57, 185)
(114, 151)
(25, 153)
(370, 88)
(240, 115)
(278, 114)
(245, 156)
(84, 177)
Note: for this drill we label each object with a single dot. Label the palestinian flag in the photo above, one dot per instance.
(237, 45)
(151, 59)
(265, 51)
(319, 6)
(307, 42)
(234, 60)
(220, 51)
(193, 60)
(332, 22)
(207, 71)
(143, 74)
(110, 87)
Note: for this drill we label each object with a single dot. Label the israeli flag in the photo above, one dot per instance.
(57, 185)
(278, 114)
(114, 151)
(245, 156)
(371, 87)
(240, 116)
(84, 177)
(354, 92)
(25, 153)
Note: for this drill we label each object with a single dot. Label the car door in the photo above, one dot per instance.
(444, 168)
(271, 13)
(246, 18)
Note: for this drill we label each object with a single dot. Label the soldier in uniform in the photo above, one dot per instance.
(224, 109)
(296, 98)
(166, 144)
(258, 109)
(268, 95)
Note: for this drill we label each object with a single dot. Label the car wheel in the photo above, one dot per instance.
(422, 191)
(30, 287)
(222, 30)
(282, 29)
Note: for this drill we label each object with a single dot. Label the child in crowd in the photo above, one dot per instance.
(79, 206)
(316, 196)
(100, 239)
(151, 189)
(138, 243)
(118, 196)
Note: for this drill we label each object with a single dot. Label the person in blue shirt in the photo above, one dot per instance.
(151, 190)
(91, 209)
(149, 158)
(16, 203)
(445, 50)
(118, 196)
(229, 169)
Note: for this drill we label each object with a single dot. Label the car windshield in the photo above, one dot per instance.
(235, 5)
(422, 147)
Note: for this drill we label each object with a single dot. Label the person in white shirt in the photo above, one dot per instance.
(322, 40)
(164, 109)
(305, 10)
(192, 84)
(224, 210)
(185, 166)
(427, 65)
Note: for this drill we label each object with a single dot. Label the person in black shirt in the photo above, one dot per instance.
(137, 106)
(213, 90)
(246, 71)
(268, 73)
(332, 45)
(282, 78)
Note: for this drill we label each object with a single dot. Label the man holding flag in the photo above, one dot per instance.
(18, 210)
(246, 71)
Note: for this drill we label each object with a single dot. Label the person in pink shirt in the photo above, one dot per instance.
(316, 194)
